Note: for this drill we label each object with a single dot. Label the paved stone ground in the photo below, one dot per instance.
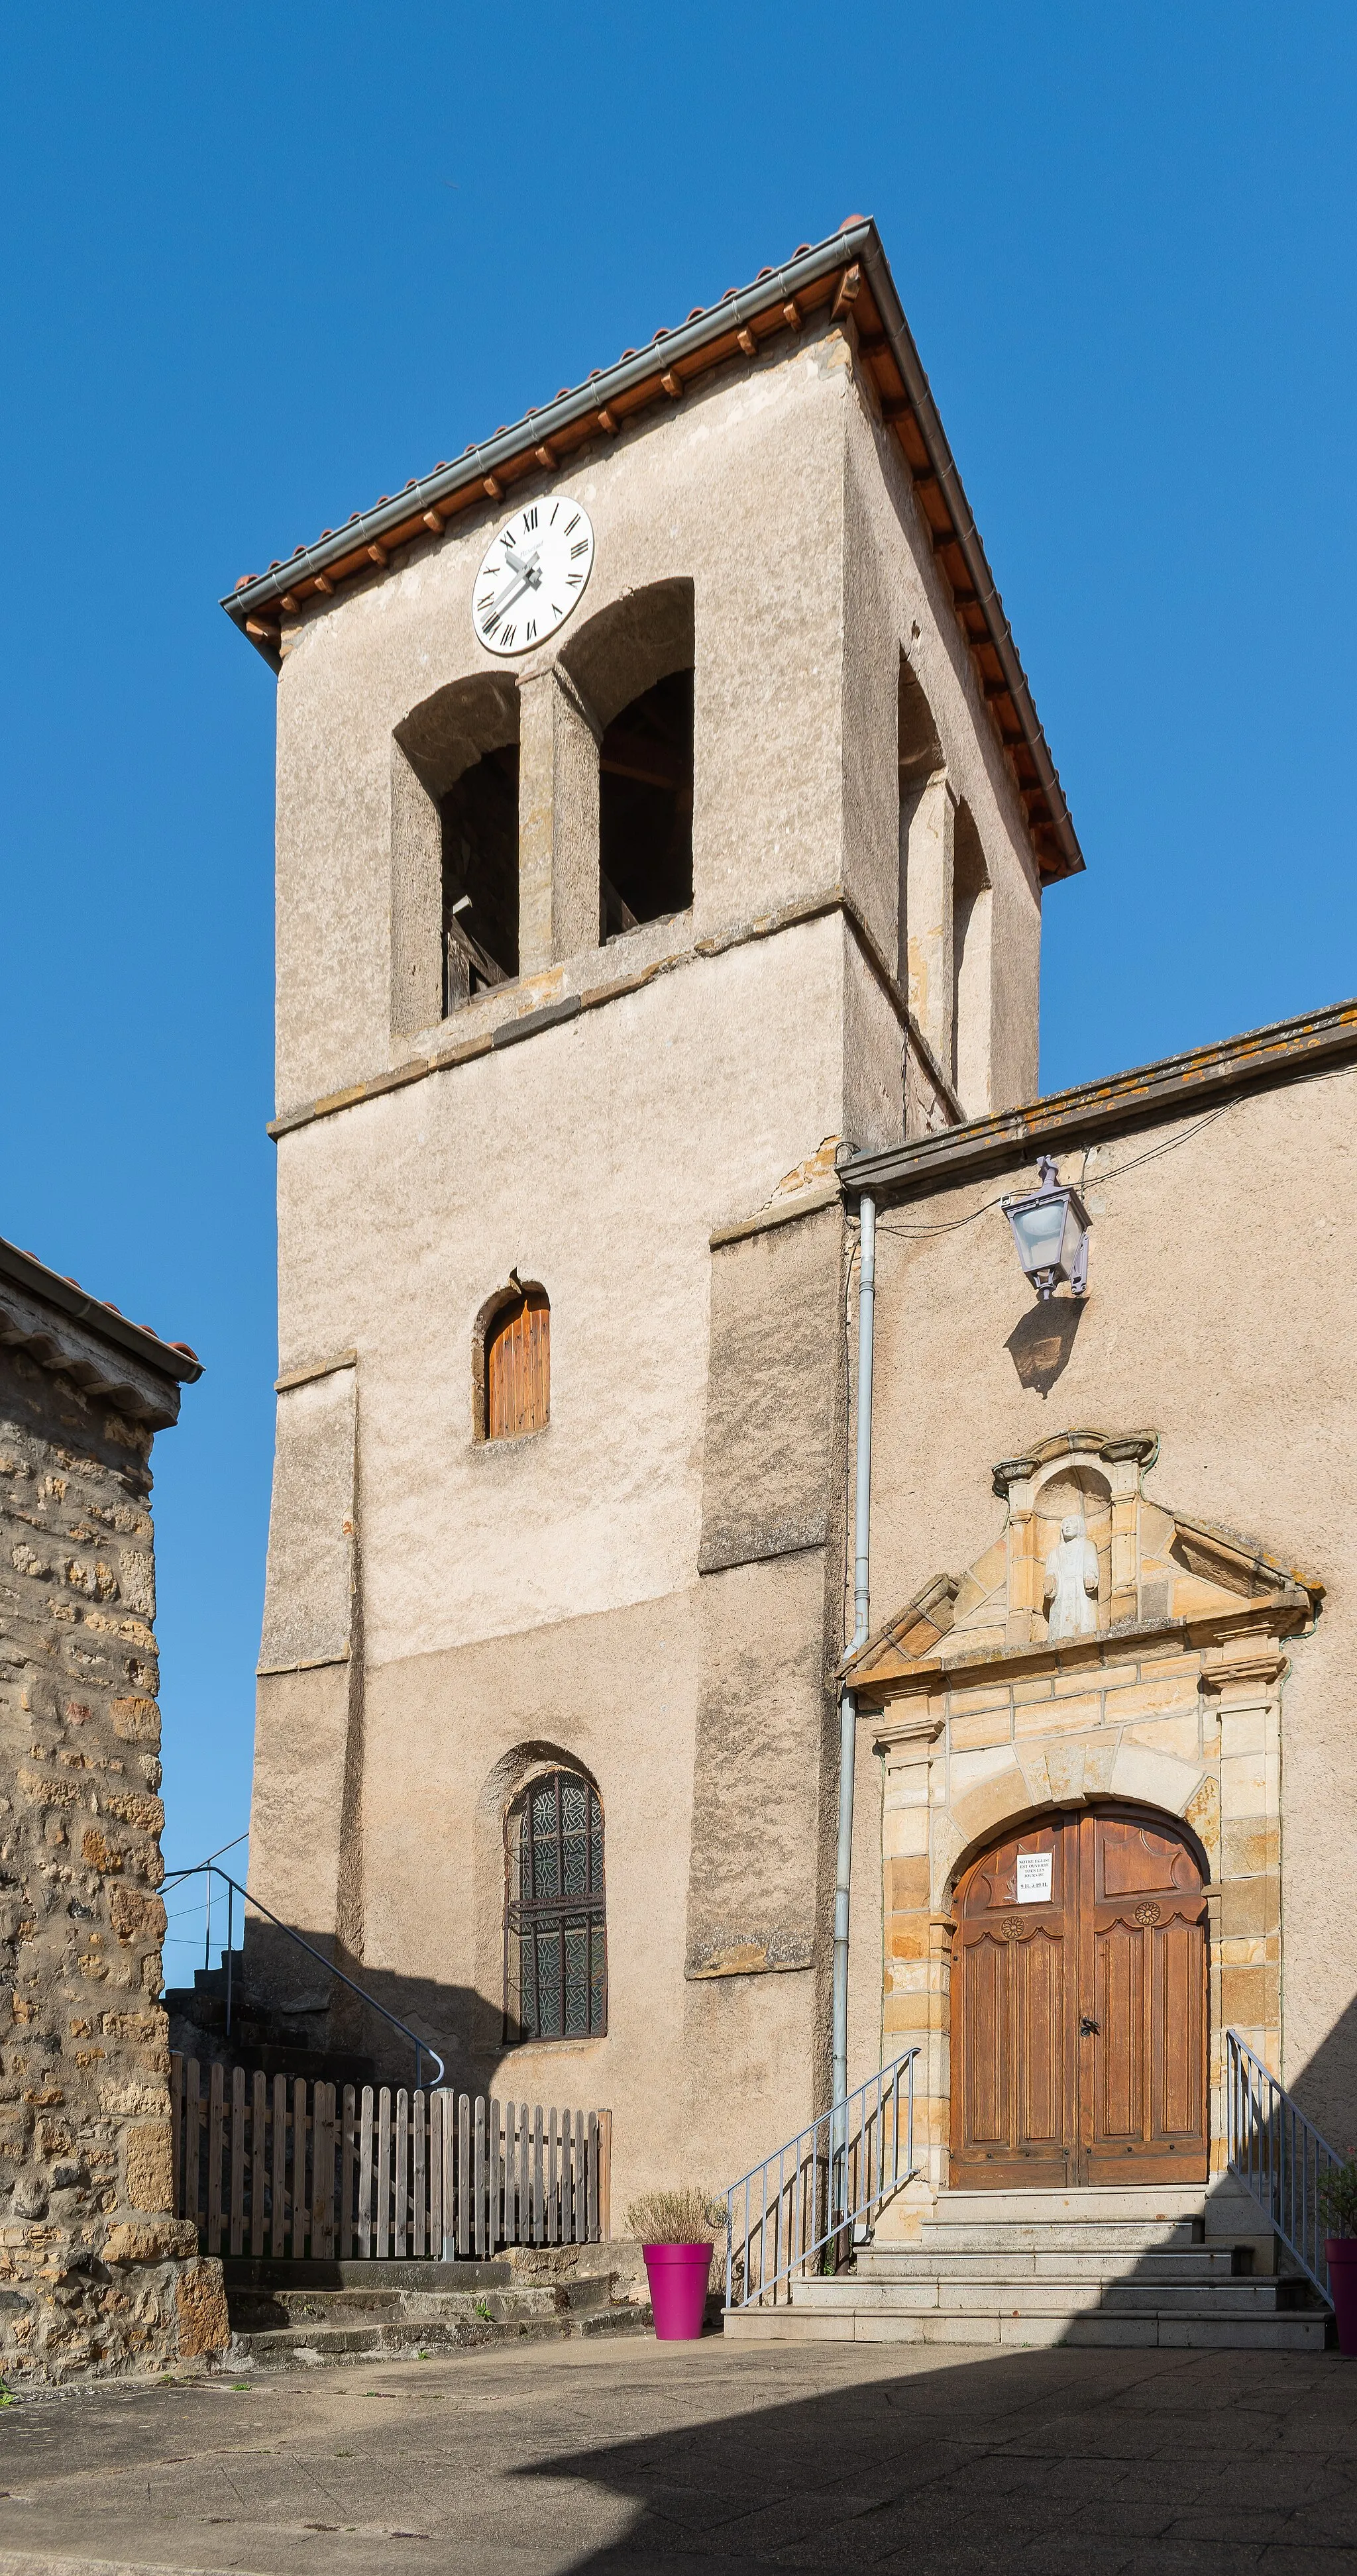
(679, 2458)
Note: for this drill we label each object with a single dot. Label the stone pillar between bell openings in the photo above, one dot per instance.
(928, 829)
(557, 822)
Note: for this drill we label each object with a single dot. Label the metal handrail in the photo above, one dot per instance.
(208, 1870)
(830, 2181)
(1279, 2156)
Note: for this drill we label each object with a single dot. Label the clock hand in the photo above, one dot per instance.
(528, 565)
(509, 596)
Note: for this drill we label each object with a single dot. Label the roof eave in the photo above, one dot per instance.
(172, 1360)
(537, 427)
(253, 607)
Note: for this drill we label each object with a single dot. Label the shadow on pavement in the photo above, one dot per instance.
(1085, 2461)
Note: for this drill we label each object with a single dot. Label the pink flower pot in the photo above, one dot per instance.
(1340, 2253)
(678, 2276)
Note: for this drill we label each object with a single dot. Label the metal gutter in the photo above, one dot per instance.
(943, 464)
(858, 245)
(735, 312)
(1175, 1086)
(172, 1359)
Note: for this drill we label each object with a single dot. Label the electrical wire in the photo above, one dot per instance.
(1101, 1180)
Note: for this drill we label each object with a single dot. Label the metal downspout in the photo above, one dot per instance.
(848, 1710)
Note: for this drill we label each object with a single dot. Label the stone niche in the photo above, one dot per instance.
(1170, 1700)
(98, 2277)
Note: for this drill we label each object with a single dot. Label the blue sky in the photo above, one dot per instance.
(264, 264)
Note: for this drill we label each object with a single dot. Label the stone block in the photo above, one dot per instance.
(1202, 1812)
(965, 1703)
(1106, 1677)
(1243, 1730)
(136, 1721)
(1163, 1696)
(906, 1886)
(1157, 1779)
(150, 2240)
(1100, 1757)
(1247, 1848)
(1058, 1716)
(1065, 1770)
(1249, 1785)
(1032, 1758)
(200, 2305)
(1177, 1735)
(966, 1770)
(1250, 1995)
(1249, 1907)
(978, 1810)
(148, 2171)
(904, 1833)
(987, 1726)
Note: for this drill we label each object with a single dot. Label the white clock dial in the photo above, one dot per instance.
(532, 574)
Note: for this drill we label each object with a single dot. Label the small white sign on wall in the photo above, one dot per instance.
(1034, 1877)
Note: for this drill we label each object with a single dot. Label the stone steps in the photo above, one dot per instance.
(1065, 2236)
(407, 2338)
(1023, 2296)
(283, 2312)
(1043, 2262)
(1125, 2333)
(1120, 2268)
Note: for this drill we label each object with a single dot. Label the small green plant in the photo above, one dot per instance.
(482, 2310)
(5, 2398)
(686, 2217)
(1338, 2197)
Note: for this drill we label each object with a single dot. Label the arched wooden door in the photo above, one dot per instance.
(1079, 2006)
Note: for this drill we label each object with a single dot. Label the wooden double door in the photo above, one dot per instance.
(1079, 2006)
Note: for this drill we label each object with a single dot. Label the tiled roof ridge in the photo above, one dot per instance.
(848, 272)
(699, 313)
(174, 1359)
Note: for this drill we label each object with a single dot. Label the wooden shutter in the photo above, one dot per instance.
(518, 1367)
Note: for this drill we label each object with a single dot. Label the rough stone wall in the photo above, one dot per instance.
(96, 2274)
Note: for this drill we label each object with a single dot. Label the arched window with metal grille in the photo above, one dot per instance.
(555, 1946)
(517, 1365)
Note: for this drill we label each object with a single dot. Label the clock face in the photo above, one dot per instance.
(532, 574)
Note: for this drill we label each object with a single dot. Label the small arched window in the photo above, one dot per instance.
(555, 1949)
(518, 1366)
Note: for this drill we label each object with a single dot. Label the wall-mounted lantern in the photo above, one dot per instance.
(1050, 1229)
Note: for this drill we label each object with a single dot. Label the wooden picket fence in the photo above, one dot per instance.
(297, 2171)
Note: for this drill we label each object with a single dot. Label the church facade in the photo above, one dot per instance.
(624, 965)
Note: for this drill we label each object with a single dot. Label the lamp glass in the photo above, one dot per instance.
(1042, 1230)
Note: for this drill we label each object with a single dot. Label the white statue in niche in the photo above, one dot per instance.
(1072, 1584)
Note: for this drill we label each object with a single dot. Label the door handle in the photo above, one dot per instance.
(1087, 2029)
